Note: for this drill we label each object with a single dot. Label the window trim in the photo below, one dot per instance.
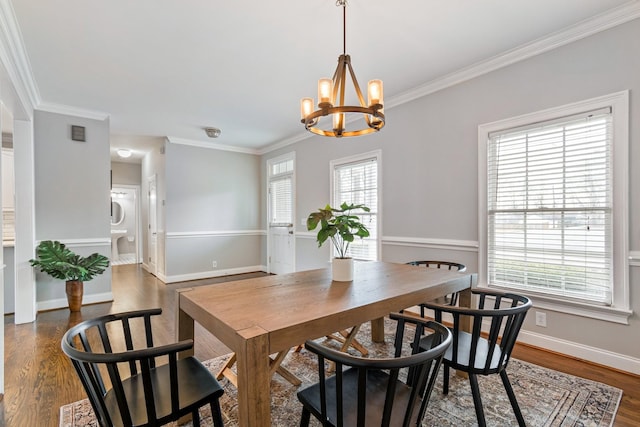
(620, 310)
(375, 154)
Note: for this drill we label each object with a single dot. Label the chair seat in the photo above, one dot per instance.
(191, 390)
(376, 389)
(464, 351)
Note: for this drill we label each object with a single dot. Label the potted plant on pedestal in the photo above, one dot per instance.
(342, 227)
(59, 262)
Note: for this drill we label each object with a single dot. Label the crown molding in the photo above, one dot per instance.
(72, 111)
(211, 145)
(15, 60)
(612, 18)
(284, 143)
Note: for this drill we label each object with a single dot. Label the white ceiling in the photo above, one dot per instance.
(170, 68)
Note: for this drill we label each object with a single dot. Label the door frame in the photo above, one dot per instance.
(152, 214)
(288, 156)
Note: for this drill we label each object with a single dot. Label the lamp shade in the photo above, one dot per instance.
(325, 90)
(375, 93)
(306, 107)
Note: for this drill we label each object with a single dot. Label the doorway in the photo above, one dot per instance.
(125, 224)
(281, 238)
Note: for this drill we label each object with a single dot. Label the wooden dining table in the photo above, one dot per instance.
(262, 316)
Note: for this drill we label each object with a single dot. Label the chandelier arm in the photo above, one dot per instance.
(356, 85)
(337, 77)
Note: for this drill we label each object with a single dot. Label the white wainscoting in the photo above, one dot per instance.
(212, 273)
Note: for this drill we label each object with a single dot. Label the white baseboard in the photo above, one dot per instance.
(62, 302)
(580, 351)
(569, 348)
(213, 273)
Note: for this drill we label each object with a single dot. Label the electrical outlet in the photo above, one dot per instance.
(541, 319)
(214, 264)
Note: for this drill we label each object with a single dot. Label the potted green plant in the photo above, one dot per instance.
(54, 259)
(342, 227)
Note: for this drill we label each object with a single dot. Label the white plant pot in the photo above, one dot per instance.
(342, 269)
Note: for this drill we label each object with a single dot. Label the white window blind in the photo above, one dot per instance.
(281, 193)
(357, 183)
(281, 199)
(549, 208)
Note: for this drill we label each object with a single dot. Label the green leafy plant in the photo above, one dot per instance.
(59, 262)
(339, 225)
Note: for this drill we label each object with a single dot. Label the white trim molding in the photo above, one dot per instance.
(580, 351)
(211, 145)
(432, 243)
(77, 243)
(414, 242)
(15, 60)
(72, 111)
(220, 233)
(86, 299)
(212, 273)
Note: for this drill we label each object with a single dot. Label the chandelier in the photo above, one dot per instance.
(331, 98)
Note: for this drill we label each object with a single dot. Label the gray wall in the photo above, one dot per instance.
(126, 173)
(72, 195)
(212, 212)
(430, 164)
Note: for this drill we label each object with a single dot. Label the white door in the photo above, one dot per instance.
(281, 201)
(152, 236)
(282, 249)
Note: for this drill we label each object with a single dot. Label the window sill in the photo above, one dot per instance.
(607, 314)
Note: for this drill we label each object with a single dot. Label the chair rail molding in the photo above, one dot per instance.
(432, 243)
(218, 233)
(77, 243)
(634, 258)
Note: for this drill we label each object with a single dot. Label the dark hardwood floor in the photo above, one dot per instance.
(39, 378)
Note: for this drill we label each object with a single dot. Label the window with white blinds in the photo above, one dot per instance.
(356, 181)
(281, 192)
(549, 208)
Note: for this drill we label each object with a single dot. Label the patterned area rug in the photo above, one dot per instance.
(546, 397)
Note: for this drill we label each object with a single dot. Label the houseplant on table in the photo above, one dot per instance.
(59, 262)
(342, 227)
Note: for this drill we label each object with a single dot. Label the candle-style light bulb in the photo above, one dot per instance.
(375, 92)
(306, 107)
(325, 91)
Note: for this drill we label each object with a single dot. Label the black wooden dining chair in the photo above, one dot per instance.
(479, 353)
(451, 299)
(391, 391)
(142, 392)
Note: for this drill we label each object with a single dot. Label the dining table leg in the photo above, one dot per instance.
(464, 300)
(254, 378)
(184, 325)
(377, 330)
